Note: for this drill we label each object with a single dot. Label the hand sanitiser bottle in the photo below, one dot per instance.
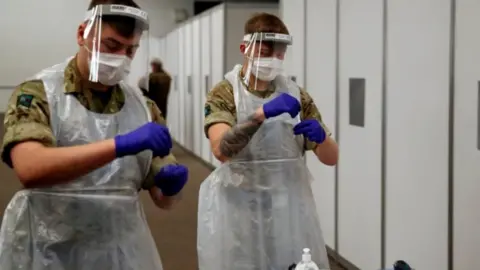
(306, 263)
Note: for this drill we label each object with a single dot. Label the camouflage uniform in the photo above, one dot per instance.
(28, 115)
(159, 88)
(220, 107)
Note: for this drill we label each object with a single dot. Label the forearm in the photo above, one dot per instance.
(37, 165)
(327, 152)
(164, 202)
(236, 138)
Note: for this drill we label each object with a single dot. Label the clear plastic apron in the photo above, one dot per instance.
(257, 211)
(96, 221)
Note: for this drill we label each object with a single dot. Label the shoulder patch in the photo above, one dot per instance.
(25, 100)
(207, 110)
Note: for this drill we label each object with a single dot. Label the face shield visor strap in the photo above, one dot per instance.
(262, 63)
(250, 51)
(100, 62)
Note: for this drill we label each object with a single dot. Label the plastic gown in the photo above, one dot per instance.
(95, 222)
(257, 211)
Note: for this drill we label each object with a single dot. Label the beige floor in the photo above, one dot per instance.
(174, 231)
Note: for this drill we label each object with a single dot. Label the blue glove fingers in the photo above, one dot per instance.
(316, 136)
(301, 125)
(161, 142)
(295, 108)
(171, 179)
(304, 126)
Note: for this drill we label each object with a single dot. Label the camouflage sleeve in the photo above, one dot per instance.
(310, 111)
(27, 118)
(157, 162)
(220, 106)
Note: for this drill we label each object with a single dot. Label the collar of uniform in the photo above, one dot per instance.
(270, 89)
(73, 81)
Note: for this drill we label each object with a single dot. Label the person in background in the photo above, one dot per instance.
(83, 143)
(256, 211)
(159, 85)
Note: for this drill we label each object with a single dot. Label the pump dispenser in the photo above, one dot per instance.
(306, 263)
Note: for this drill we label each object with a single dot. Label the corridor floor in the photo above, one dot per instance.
(174, 231)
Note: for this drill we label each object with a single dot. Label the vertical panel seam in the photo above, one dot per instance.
(224, 38)
(305, 25)
(383, 168)
(337, 117)
(451, 134)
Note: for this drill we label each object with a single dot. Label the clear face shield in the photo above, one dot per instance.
(265, 53)
(112, 37)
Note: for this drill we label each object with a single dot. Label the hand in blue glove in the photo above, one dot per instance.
(150, 136)
(284, 103)
(312, 130)
(171, 179)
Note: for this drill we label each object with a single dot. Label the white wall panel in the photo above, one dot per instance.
(360, 147)
(5, 94)
(217, 44)
(293, 12)
(197, 108)
(139, 66)
(188, 108)
(466, 153)
(205, 46)
(320, 83)
(182, 87)
(17, 32)
(417, 132)
(173, 99)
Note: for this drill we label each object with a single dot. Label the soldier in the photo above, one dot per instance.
(257, 211)
(83, 143)
(159, 85)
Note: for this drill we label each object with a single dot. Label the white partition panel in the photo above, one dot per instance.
(173, 99)
(417, 133)
(139, 66)
(206, 84)
(197, 108)
(320, 83)
(359, 180)
(182, 86)
(466, 145)
(188, 108)
(293, 12)
(155, 48)
(217, 45)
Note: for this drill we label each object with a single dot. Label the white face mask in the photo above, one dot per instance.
(267, 68)
(112, 68)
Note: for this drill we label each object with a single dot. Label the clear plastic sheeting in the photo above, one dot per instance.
(257, 211)
(76, 230)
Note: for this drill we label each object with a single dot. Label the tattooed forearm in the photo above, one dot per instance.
(238, 136)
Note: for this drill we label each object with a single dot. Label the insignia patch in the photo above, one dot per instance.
(25, 100)
(207, 111)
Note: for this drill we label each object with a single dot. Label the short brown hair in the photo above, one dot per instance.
(265, 23)
(125, 26)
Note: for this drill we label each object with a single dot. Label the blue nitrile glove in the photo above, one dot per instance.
(150, 136)
(311, 129)
(171, 179)
(284, 103)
